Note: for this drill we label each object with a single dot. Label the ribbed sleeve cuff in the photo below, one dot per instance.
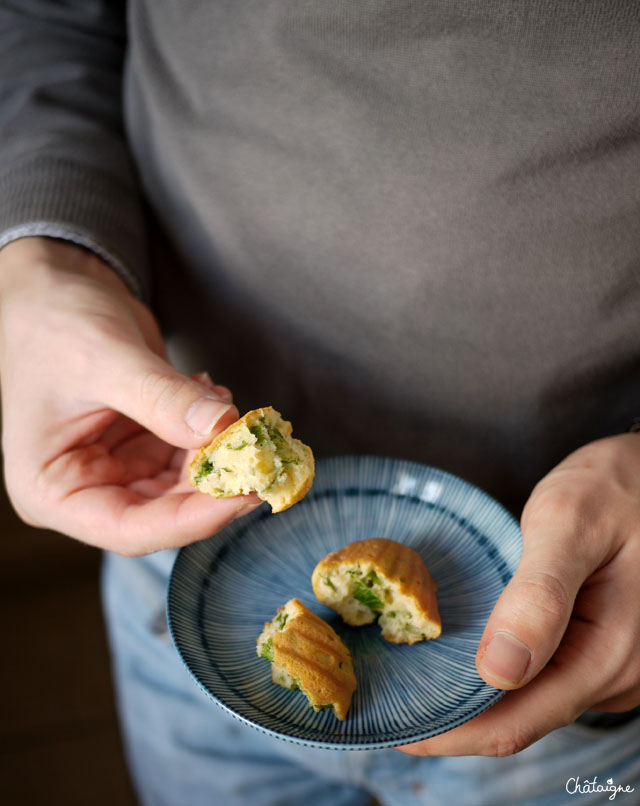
(62, 199)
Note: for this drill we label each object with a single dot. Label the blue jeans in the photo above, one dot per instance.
(184, 750)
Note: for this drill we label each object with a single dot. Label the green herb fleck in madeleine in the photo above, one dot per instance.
(266, 650)
(327, 581)
(260, 432)
(366, 596)
(371, 579)
(205, 469)
(281, 620)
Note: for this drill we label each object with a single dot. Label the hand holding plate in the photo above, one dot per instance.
(564, 632)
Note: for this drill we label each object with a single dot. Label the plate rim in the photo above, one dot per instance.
(361, 744)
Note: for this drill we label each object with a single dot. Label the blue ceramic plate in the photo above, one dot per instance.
(222, 590)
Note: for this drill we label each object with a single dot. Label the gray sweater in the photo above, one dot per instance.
(413, 227)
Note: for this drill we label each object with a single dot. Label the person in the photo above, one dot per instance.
(411, 227)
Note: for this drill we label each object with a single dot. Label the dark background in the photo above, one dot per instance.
(59, 738)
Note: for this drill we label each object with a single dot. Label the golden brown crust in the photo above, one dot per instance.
(300, 493)
(396, 562)
(310, 651)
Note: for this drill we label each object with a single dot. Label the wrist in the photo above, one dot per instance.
(37, 260)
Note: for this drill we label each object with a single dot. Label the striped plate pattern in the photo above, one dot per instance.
(222, 590)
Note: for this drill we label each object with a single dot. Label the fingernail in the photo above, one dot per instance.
(246, 509)
(203, 415)
(506, 657)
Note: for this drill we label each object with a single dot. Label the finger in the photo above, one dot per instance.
(616, 705)
(531, 615)
(179, 461)
(179, 410)
(223, 392)
(151, 488)
(500, 731)
(131, 523)
(559, 694)
(166, 481)
(143, 455)
(119, 432)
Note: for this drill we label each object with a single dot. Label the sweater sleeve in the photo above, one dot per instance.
(65, 170)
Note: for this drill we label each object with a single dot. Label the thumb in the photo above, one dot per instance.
(184, 412)
(532, 614)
